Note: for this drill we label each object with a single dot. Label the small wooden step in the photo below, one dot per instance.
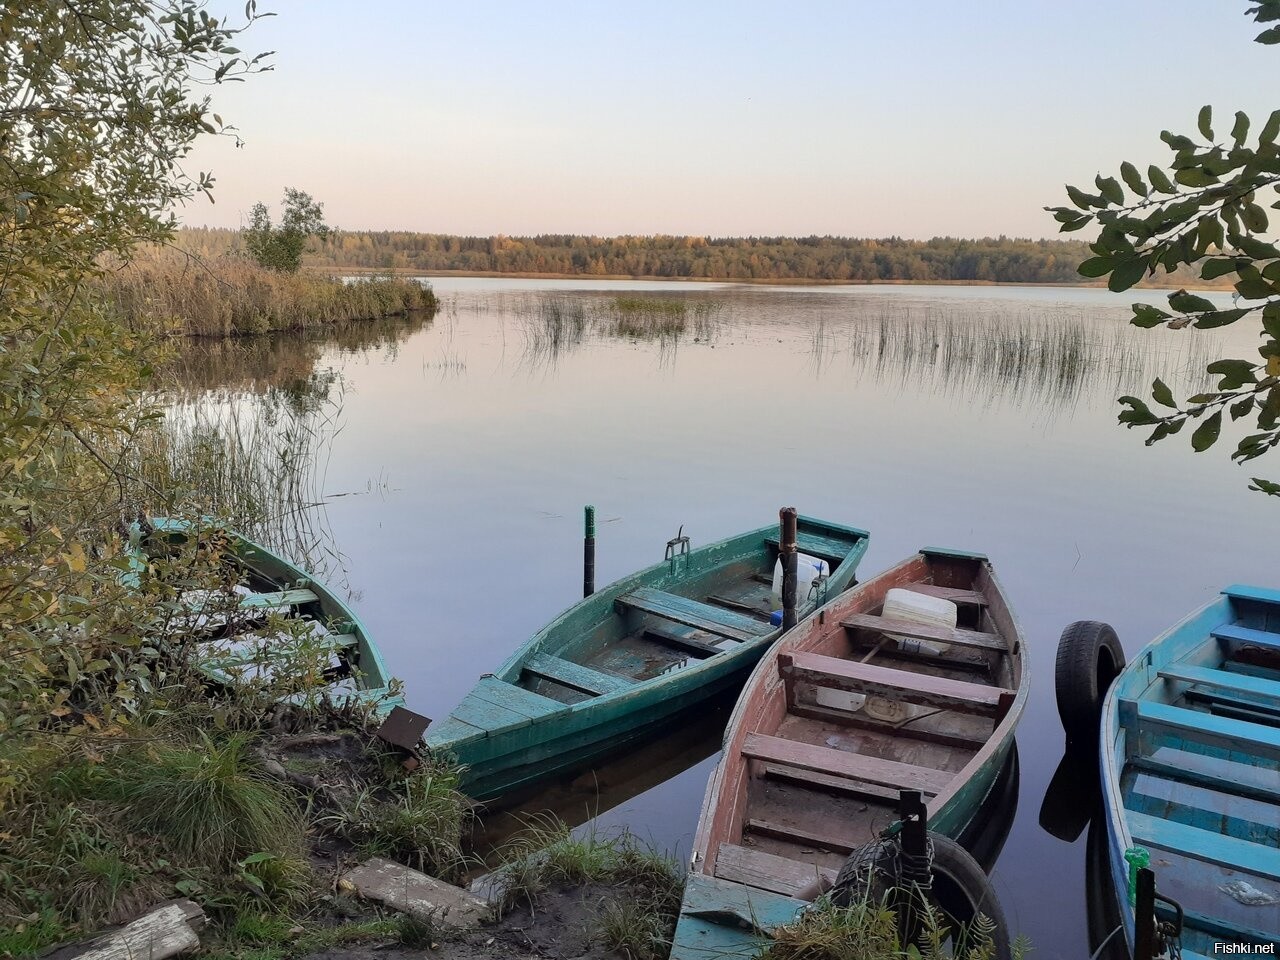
(767, 871)
(954, 594)
(806, 756)
(575, 675)
(694, 613)
(918, 688)
(1247, 635)
(801, 835)
(1209, 846)
(920, 631)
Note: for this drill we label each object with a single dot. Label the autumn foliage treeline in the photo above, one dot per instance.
(998, 259)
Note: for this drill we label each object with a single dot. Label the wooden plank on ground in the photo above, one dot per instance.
(767, 871)
(1207, 845)
(415, 893)
(164, 932)
(954, 594)
(695, 613)
(575, 675)
(920, 631)
(807, 756)
(838, 674)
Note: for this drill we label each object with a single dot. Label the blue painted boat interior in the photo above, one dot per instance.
(1192, 759)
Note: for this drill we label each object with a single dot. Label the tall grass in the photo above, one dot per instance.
(231, 296)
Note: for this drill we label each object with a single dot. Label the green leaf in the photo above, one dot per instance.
(1159, 180)
(1235, 373)
(1241, 407)
(1219, 318)
(1134, 179)
(1126, 274)
(1096, 267)
(1254, 217)
(1268, 36)
(1206, 435)
(1195, 177)
(1145, 315)
(1161, 393)
(1252, 286)
(1205, 122)
(1177, 141)
(1083, 200)
(1218, 267)
(1253, 247)
(1185, 302)
(1271, 319)
(1138, 414)
(1110, 189)
(1271, 130)
(1240, 130)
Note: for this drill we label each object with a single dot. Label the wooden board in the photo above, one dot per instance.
(1240, 591)
(1206, 845)
(575, 675)
(870, 678)
(830, 549)
(1181, 773)
(1257, 638)
(517, 699)
(672, 638)
(767, 871)
(695, 613)
(282, 598)
(905, 628)
(954, 594)
(824, 781)
(947, 735)
(801, 835)
(1222, 680)
(161, 933)
(415, 893)
(1198, 727)
(806, 756)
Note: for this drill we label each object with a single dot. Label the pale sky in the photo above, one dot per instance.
(914, 119)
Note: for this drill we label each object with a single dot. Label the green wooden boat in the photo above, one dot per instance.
(850, 708)
(231, 629)
(619, 663)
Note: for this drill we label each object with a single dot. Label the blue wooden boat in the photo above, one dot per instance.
(229, 631)
(1191, 772)
(631, 656)
(811, 772)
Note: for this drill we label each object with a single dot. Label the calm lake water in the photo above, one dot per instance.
(974, 417)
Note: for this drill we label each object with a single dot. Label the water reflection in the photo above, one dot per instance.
(1073, 795)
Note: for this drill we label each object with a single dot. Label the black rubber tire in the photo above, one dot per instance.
(1089, 659)
(961, 890)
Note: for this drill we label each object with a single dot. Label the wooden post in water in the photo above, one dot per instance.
(787, 554)
(589, 551)
(914, 876)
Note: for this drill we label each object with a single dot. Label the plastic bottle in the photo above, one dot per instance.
(1138, 858)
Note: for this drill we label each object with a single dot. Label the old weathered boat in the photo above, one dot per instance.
(314, 632)
(633, 655)
(1191, 774)
(850, 708)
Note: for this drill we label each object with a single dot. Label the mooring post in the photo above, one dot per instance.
(1144, 916)
(589, 551)
(787, 554)
(914, 878)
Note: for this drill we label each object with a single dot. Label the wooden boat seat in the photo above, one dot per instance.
(1181, 772)
(1209, 846)
(824, 781)
(961, 638)
(1222, 680)
(494, 703)
(801, 835)
(856, 766)
(575, 675)
(881, 681)
(1240, 591)
(670, 637)
(1225, 733)
(954, 594)
(282, 598)
(830, 549)
(695, 613)
(1257, 638)
(767, 871)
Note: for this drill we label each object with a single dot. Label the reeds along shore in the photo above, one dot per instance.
(231, 296)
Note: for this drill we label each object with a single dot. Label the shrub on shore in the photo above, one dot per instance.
(231, 296)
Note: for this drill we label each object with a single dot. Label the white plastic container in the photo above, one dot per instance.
(808, 569)
(901, 604)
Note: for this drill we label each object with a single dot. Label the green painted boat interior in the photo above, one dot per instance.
(233, 633)
(698, 613)
(1198, 769)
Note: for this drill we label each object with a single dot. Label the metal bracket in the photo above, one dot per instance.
(677, 546)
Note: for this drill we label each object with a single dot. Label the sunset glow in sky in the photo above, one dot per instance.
(855, 118)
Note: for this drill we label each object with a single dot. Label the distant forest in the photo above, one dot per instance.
(990, 259)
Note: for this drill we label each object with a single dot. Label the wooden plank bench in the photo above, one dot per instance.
(975, 639)
(1257, 638)
(1233, 786)
(695, 613)
(513, 698)
(954, 594)
(282, 598)
(1199, 727)
(802, 835)
(825, 781)
(669, 637)
(1241, 591)
(1222, 680)
(807, 756)
(767, 871)
(575, 675)
(1207, 845)
(851, 675)
(831, 549)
